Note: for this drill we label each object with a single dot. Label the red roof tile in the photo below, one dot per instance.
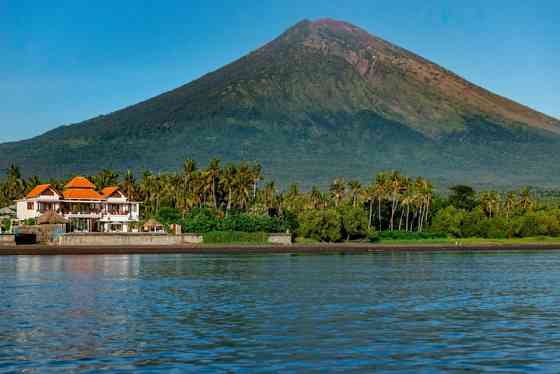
(80, 182)
(109, 191)
(82, 194)
(38, 190)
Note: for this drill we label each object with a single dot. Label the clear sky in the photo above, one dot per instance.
(65, 61)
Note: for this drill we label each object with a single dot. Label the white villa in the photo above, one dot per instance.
(86, 209)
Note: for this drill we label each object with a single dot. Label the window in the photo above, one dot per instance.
(30, 206)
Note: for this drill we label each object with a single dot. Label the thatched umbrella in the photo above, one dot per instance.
(51, 218)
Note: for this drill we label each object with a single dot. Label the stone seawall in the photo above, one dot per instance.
(119, 239)
(192, 238)
(7, 239)
(146, 239)
(284, 239)
(127, 239)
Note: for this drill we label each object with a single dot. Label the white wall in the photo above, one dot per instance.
(23, 213)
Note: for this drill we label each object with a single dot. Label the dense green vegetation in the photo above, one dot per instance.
(235, 198)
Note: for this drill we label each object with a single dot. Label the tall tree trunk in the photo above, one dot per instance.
(407, 216)
(379, 213)
(393, 210)
(228, 202)
(214, 195)
(370, 214)
(420, 217)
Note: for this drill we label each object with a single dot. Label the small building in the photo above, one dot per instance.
(152, 225)
(80, 203)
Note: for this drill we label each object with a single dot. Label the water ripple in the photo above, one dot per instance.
(411, 313)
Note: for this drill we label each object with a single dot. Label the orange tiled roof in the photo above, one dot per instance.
(82, 194)
(38, 190)
(80, 182)
(108, 191)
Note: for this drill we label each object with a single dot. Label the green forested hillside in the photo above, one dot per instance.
(323, 100)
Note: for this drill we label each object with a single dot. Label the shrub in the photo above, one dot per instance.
(227, 237)
(289, 221)
(354, 222)
(449, 220)
(202, 220)
(536, 223)
(493, 228)
(199, 220)
(322, 225)
(250, 223)
(168, 216)
(373, 236)
(6, 225)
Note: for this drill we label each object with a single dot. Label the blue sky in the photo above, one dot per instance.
(64, 61)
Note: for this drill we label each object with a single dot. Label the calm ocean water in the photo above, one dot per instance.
(404, 312)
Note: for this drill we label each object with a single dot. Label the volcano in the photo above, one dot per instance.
(325, 99)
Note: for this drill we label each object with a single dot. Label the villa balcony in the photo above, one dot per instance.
(69, 215)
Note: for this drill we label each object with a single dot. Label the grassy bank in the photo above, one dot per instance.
(476, 241)
(448, 241)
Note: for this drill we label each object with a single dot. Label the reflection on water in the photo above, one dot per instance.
(417, 312)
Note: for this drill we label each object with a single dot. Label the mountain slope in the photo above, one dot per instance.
(324, 99)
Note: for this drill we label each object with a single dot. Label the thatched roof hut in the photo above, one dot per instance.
(153, 225)
(51, 218)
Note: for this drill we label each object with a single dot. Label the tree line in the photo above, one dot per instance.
(236, 195)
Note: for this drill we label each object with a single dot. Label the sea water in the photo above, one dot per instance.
(386, 312)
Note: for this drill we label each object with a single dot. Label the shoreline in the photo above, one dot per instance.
(346, 248)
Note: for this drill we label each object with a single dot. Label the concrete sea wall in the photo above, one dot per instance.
(124, 239)
(142, 239)
(284, 239)
(7, 239)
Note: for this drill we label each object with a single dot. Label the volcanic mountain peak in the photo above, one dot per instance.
(433, 99)
(324, 99)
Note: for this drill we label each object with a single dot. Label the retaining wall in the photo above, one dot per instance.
(7, 239)
(124, 239)
(131, 239)
(192, 238)
(284, 239)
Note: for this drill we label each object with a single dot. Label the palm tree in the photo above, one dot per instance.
(269, 193)
(105, 178)
(369, 197)
(424, 190)
(525, 200)
(380, 191)
(406, 202)
(128, 185)
(214, 173)
(509, 203)
(316, 197)
(355, 191)
(31, 183)
(337, 190)
(256, 174)
(227, 183)
(395, 186)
